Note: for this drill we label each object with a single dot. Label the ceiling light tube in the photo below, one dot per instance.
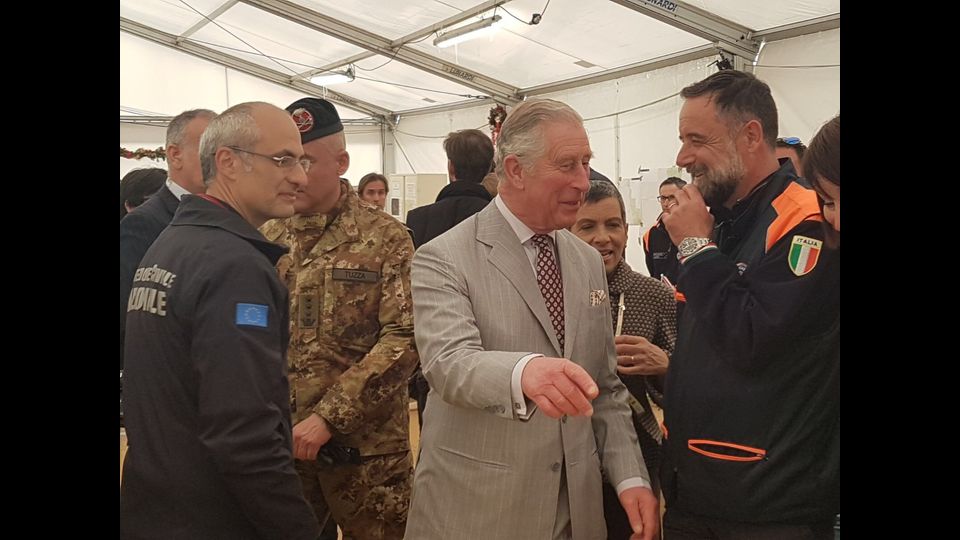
(327, 78)
(470, 31)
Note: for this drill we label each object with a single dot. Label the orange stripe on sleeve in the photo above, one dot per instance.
(794, 206)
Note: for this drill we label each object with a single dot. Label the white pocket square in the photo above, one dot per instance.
(597, 297)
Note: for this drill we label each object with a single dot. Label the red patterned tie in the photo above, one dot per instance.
(551, 286)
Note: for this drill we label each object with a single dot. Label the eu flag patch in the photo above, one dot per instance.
(252, 315)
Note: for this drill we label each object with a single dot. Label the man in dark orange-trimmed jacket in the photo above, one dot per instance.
(753, 391)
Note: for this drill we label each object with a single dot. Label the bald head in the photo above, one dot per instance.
(246, 155)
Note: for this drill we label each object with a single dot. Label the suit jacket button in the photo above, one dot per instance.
(555, 467)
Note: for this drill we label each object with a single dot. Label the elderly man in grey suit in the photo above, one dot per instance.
(513, 329)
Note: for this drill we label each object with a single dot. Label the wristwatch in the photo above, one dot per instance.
(690, 245)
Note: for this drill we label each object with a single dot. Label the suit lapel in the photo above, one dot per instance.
(508, 256)
(574, 283)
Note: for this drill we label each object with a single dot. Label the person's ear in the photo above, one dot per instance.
(753, 135)
(513, 171)
(174, 157)
(228, 162)
(343, 163)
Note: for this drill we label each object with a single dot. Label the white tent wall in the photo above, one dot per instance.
(134, 136)
(419, 138)
(160, 81)
(806, 98)
(364, 146)
(363, 143)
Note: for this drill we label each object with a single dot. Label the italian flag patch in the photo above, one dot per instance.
(804, 254)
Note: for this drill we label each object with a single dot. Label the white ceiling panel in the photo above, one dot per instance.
(574, 39)
(398, 87)
(389, 19)
(286, 46)
(764, 14)
(606, 35)
(424, 85)
(170, 16)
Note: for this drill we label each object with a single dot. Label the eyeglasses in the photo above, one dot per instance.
(663, 199)
(789, 140)
(284, 162)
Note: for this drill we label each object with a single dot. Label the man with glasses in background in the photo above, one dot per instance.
(352, 346)
(208, 405)
(661, 254)
(793, 148)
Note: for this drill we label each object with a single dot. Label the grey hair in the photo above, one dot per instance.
(177, 126)
(234, 127)
(604, 189)
(522, 132)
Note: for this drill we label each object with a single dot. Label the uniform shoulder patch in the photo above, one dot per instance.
(252, 315)
(804, 254)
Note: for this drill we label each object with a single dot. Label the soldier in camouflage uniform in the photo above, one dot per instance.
(351, 345)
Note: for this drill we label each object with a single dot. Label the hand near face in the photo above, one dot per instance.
(637, 356)
(559, 387)
(688, 216)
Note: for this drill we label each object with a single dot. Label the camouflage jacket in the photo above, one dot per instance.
(352, 348)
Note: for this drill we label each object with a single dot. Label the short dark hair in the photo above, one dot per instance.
(673, 180)
(604, 189)
(822, 160)
(821, 164)
(471, 153)
(373, 177)
(597, 175)
(139, 184)
(793, 143)
(740, 97)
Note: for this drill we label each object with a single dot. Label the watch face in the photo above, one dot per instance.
(689, 245)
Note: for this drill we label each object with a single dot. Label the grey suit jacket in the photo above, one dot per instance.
(478, 310)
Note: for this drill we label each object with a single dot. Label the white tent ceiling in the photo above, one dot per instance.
(399, 70)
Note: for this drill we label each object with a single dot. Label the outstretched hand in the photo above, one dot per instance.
(559, 387)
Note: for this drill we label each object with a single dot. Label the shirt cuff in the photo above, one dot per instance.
(516, 391)
(632, 483)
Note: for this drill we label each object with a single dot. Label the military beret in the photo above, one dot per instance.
(315, 118)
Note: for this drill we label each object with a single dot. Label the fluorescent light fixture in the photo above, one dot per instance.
(470, 31)
(327, 78)
(759, 50)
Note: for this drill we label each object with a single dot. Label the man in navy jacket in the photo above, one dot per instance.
(140, 228)
(208, 404)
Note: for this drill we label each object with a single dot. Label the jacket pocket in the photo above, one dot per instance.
(725, 450)
(351, 306)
